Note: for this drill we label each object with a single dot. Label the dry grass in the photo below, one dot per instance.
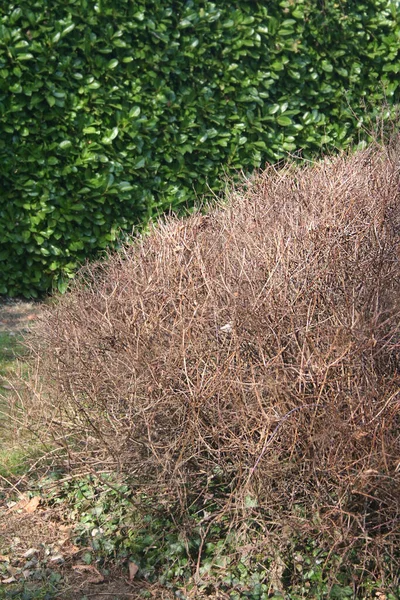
(257, 346)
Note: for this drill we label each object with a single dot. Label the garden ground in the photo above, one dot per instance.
(38, 556)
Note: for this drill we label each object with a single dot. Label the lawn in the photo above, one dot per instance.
(12, 450)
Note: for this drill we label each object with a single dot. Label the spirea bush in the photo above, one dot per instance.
(111, 112)
(250, 356)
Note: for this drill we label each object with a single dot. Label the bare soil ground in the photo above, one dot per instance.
(36, 544)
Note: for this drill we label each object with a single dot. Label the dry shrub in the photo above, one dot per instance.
(257, 347)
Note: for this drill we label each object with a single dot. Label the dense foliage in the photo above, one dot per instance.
(113, 111)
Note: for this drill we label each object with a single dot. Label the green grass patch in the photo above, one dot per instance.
(13, 461)
(16, 445)
(10, 348)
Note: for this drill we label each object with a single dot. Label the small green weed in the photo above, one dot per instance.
(47, 590)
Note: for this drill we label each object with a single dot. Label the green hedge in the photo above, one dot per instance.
(114, 110)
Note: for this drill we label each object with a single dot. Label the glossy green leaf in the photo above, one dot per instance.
(24, 56)
(65, 144)
(284, 121)
(112, 64)
(134, 111)
(68, 29)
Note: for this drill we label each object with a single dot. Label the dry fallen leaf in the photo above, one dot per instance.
(133, 569)
(57, 559)
(9, 580)
(26, 504)
(96, 576)
(32, 504)
(27, 573)
(4, 558)
(72, 549)
(63, 541)
(31, 552)
(22, 502)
